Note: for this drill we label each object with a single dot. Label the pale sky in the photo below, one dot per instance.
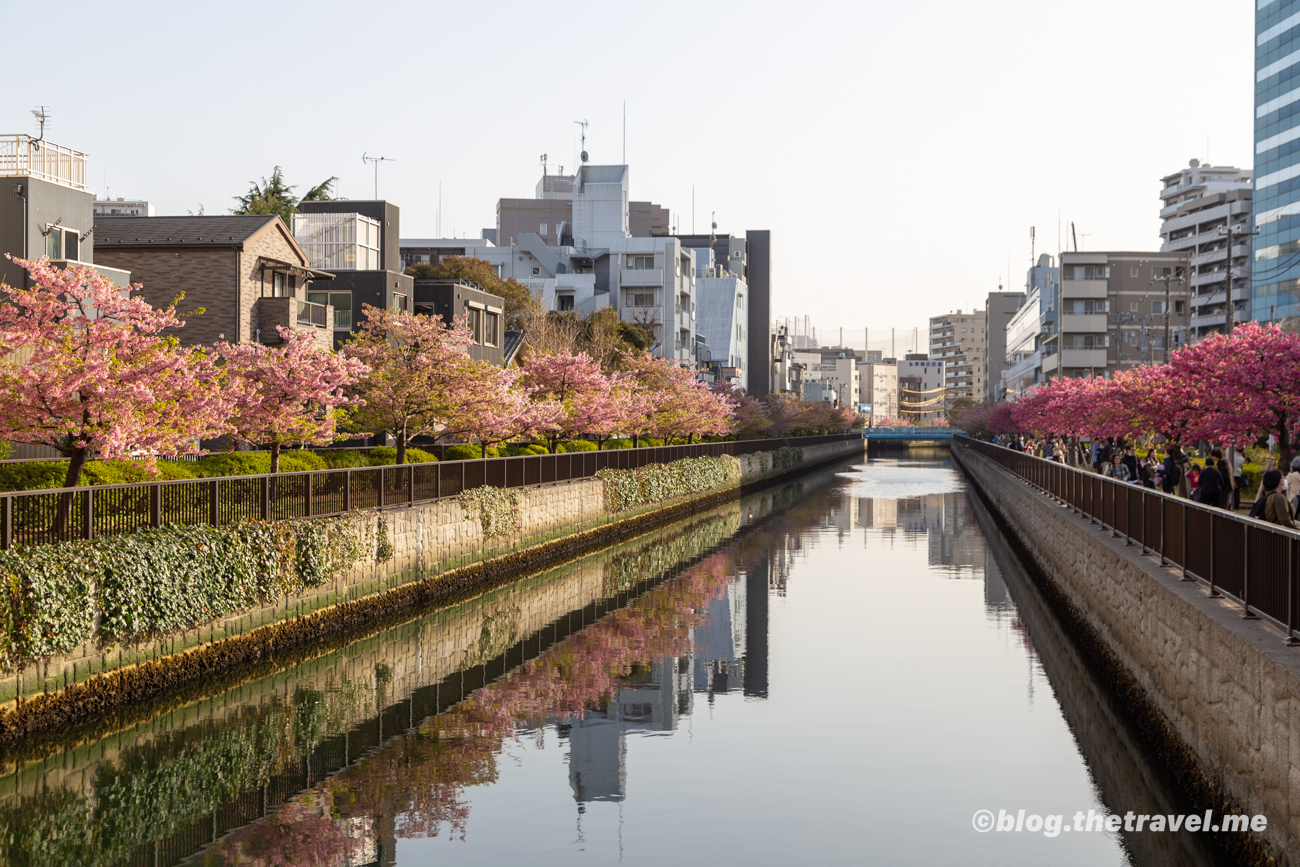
(899, 152)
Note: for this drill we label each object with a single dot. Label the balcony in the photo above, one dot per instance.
(1087, 323)
(270, 314)
(1093, 359)
(641, 277)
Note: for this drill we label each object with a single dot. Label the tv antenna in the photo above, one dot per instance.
(42, 114)
(583, 124)
(365, 158)
(543, 165)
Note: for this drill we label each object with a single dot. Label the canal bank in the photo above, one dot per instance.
(1218, 696)
(436, 553)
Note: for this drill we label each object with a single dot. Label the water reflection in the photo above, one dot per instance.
(839, 670)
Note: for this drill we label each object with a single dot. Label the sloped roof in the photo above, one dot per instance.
(513, 340)
(215, 231)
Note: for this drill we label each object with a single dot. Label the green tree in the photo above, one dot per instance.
(470, 270)
(274, 196)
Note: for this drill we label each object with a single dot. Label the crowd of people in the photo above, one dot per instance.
(1214, 480)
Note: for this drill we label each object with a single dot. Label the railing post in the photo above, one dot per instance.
(410, 485)
(266, 498)
(1164, 521)
(347, 490)
(1183, 559)
(7, 523)
(306, 494)
(155, 505)
(1245, 573)
(1214, 592)
(214, 503)
(437, 480)
(1291, 594)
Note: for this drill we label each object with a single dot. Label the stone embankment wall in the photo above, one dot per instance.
(1218, 695)
(425, 539)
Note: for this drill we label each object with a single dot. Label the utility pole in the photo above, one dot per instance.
(1229, 313)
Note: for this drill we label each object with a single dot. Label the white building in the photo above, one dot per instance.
(921, 388)
(121, 207)
(648, 281)
(1198, 203)
(722, 317)
(879, 386)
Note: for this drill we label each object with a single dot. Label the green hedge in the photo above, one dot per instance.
(467, 452)
(630, 489)
(163, 579)
(515, 450)
(577, 446)
(387, 456)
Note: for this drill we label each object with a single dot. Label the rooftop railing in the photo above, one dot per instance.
(24, 156)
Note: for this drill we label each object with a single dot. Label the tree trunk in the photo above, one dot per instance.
(636, 441)
(401, 450)
(275, 457)
(483, 445)
(76, 463)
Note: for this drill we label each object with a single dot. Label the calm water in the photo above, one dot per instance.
(842, 670)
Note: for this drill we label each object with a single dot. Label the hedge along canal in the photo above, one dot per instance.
(90, 629)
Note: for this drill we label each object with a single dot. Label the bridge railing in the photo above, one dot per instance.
(1254, 563)
(65, 514)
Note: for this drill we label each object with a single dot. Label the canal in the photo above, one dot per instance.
(844, 669)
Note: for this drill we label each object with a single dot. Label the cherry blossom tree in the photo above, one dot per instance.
(421, 380)
(287, 394)
(503, 410)
(579, 386)
(86, 370)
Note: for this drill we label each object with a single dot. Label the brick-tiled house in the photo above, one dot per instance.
(246, 272)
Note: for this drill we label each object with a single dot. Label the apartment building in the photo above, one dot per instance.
(1117, 310)
(878, 382)
(1275, 280)
(123, 207)
(1027, 330)
(921, 390)
(960, 341)
(999, 309)
(1199, 204)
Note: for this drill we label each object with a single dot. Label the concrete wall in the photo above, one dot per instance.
(1225, 691)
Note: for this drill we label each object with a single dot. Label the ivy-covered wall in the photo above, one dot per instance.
(54, 598)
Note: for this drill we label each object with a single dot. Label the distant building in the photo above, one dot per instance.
(1276, 201)
(921, 388)
(960, 341)
(121, 207)
(358, 243)
(247, 273)
(1113, 313)
(46, 209)
(879, 387)
(482, 311)
(722, 312)
(1198, 203)
(998, 310)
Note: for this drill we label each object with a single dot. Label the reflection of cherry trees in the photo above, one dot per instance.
(420, 778)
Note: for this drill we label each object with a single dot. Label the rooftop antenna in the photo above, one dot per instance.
(376, 160)
(543, 165)
(583, 124)
(42, 114)
(713, 231)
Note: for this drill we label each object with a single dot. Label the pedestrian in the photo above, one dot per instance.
(1130, 461)
(1095, 454)
(1292, 484)
(1172, 472)
(1276, 508)
(1049, 450)
(1116, 469)
(1225, 473)
(1211, 484)
(1193, 478)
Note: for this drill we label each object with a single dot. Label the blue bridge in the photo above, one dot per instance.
(910, 434)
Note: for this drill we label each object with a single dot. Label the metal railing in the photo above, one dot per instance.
(315, 315)
(1254, 563)
(66, 514)
(24, 156)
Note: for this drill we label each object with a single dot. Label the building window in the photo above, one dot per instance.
(640, 263)
(1133, 272)
(564, 302)
(474, 316)
(490, 325)
(1164, 271)
(54, 243)
(399, 303)
(537, 272)
(542, 231)
(1088, 306)
(1157, 307)
(643, 299)
(1091, 272)
(278, 287)
(1180, 307)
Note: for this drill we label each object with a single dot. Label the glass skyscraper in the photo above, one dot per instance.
(1276, 277)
